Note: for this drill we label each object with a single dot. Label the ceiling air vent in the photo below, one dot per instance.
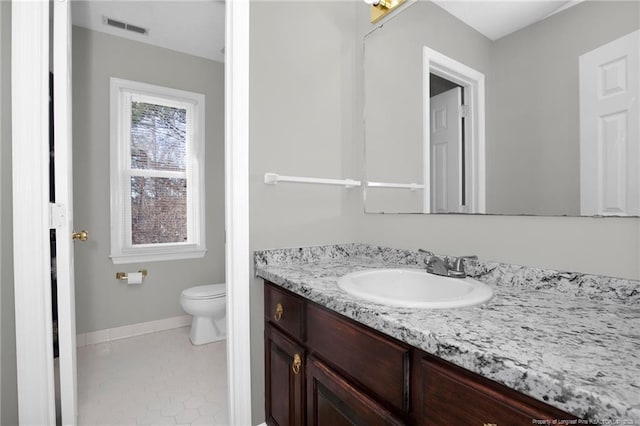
(124, 26)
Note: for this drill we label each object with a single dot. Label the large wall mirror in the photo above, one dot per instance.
(504, 108)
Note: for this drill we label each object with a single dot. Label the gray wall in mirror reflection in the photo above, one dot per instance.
(532, 114)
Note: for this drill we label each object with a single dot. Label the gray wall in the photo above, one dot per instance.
(533, 151)
(302, 84)
(101, 301)
(8, 386)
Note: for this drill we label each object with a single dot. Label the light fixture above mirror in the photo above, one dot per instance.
(380, 8)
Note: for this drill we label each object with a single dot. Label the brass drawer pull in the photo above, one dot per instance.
(490, 424)
(297, 362)
(279, 312)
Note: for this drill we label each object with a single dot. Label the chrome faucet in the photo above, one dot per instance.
(444, 266)
(457, 269)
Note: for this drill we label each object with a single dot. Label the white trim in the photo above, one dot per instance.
(122, 93)
(157, 254)
(237, 211)
(473, 83)
(32, 270)
(131, 330)
(64, 199)
(426, 135)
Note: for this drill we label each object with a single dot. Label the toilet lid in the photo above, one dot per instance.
(210, 291)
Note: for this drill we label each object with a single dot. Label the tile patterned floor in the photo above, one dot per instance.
(155, 379)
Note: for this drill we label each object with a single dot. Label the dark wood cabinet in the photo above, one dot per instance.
(371, 360)
(285, 310)
(324, 369)
(332, 400)
(454, 396)
(285, 378)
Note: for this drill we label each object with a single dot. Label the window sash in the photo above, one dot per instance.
(122, 246)
(129, 171)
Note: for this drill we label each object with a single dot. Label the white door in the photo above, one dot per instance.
(64, 208)
(610, 128)
(446, 148)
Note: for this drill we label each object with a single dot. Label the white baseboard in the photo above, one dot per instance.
(126, 331)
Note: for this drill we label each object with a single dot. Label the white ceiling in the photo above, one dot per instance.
(195, 27)
(496, 19)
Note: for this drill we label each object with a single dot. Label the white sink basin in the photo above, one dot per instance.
(415, 288)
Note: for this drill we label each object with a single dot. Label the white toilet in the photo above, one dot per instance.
(207, 305)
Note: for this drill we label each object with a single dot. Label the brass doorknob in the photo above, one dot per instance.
(82, 235)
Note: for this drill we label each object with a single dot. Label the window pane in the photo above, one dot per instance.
(158, 137)
(158, 210)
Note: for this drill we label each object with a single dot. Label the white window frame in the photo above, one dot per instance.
(122, 249)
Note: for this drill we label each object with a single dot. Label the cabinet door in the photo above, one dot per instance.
(453, 396)
(332, 401)
(284, 379)
(344, 345)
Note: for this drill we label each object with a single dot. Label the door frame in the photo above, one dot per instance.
(31, 251)
(30, 141)
(238, 255)
(474, 96)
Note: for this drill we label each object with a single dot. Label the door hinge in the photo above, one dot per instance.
(464, 111)
(57, 216)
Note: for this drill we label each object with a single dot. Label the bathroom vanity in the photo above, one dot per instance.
(330, 370)
(549, 346)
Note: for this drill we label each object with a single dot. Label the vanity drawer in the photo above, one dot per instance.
(333, 401)
(284, 310)
(373, 361)
(453, 396)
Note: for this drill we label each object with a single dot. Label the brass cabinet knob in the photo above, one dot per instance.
(82, 235)
(490, 424)
(297, 362)
(279, 312)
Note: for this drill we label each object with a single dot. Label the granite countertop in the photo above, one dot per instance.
(571, 340)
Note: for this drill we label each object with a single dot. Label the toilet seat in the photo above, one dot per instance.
(204, 292)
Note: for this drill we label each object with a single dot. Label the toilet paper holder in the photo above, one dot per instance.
(122, 276)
